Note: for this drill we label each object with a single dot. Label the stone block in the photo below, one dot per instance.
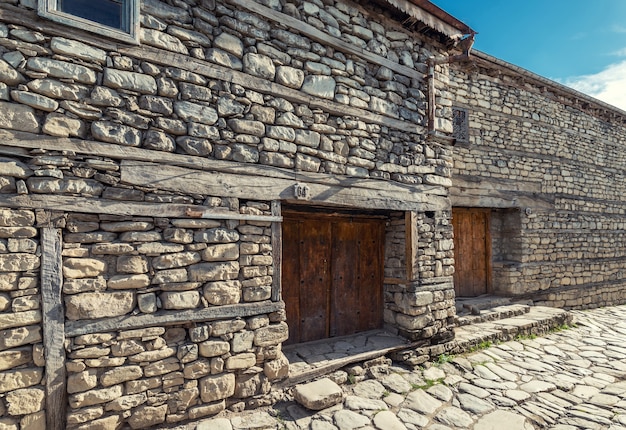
(213, 348)
(126, 282)
(120, 374)
(240, 361)
(15, 337)
(194, 112)
(132, 264)
(205, 411)
(221, 252)
(217, 387)
(126, 403)
(16, 357)
(62, 70)
(83, 267)
(271, 334)
(17, 319)
(155, 355)
(222, 292)
(197, 369)
(122, 79)
(162, 367)
(36, 421)
(318, 395)
(147, 416)
(180, 299)
(277, 369)
(18, 262)
(218, 271)
(25, 401)
(171, 261)
(95, 397)
(99, 305)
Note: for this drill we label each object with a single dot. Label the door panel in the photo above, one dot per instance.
(332, 275)
(472, 251)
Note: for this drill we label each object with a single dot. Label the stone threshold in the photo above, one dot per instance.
(310, 360)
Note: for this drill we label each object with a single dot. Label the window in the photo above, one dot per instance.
(460, 126)
(118, 19)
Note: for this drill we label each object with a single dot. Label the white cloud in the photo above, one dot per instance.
(608, 85)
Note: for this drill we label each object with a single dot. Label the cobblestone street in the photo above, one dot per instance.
(572, 378)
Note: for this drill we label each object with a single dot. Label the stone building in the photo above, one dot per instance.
(538, 188)
(187, 185)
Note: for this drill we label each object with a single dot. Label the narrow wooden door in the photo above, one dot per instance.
(332, 275)
(472, 251)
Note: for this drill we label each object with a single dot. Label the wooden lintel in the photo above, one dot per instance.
(165, 318)
(354, 192)
(53, 328)
(325, 38)
(96, 205)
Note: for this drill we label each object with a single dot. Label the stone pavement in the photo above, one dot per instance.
(569, 379)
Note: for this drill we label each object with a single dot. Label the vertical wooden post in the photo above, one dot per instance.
(277, 252)
(53, 328)
(412, 246)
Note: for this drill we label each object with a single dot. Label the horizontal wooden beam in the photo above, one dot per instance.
(164, 318)
(184, 180)
(324, 38)
(118, 207)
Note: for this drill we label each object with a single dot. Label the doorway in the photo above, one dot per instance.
(472, 251)
(332, 274)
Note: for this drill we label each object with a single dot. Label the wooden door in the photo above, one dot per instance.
(472, 251)
(332, 275)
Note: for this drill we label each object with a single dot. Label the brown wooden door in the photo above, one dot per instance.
(332, 275)
(472, 251)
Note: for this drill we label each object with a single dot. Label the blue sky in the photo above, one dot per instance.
(579, 43)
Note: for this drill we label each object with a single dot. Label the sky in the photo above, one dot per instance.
(578, 43)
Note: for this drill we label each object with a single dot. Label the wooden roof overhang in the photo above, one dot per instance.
(426, 17)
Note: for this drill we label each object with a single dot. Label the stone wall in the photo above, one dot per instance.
(547, 154)
(162, 168)
(21, 348)
(173, 372)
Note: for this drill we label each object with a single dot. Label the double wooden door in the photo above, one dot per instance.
(472, 251)
(332, 275)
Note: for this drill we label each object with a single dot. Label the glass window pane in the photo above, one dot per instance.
(107, 12)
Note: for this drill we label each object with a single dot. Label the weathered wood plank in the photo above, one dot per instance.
(164, 318)
(33, 141)
(324, 38)
(53, 328)
(179, 179)
(115, 207)
(277, 252)
(411, 245)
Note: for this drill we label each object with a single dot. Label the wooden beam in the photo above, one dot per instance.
(117, 207)
(164, 318)
(412, 245)
(324, 38)
(277, 252)
(53, 328)
(349, 194)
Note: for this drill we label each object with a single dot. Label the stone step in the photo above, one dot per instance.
(493, 313)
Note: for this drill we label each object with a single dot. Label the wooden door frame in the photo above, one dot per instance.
(488, 242)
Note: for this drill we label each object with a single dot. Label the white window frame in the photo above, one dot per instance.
(130, 20)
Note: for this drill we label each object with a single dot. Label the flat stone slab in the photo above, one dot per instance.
(499, 420)
(318, 395)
